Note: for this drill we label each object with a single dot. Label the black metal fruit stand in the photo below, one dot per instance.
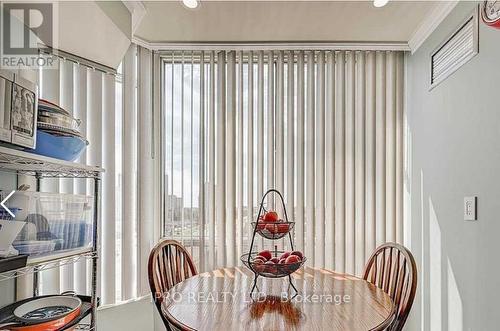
(272, 231)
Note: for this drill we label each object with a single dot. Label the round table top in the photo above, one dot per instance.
(221, 300)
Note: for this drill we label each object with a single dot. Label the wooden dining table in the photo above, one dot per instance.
(326, 300)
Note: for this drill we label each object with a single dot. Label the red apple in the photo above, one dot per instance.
(272, 228)
(265, 254)
(270, 267)
(292, 259)
(260, 225)
(298, 253)
(275, 260)
(284, 255)
(282, 261)
(271, 216)
(258, 265)
(259, 258)
(283, 228)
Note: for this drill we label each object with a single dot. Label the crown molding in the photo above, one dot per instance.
(430, 23)
(137, 11)
(208, 46)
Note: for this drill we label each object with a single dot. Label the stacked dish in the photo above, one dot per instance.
(57, 134)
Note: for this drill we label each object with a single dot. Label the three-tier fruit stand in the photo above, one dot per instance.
(272, 231)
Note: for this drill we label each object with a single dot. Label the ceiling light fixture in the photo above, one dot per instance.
(191, 4)
(380, 3)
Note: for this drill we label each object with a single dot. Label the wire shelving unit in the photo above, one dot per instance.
(22, 163)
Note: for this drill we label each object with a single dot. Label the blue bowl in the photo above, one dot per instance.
(59, 147)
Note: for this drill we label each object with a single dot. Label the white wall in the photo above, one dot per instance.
(454, 133)
(132, 316)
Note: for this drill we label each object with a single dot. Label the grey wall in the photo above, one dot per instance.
(454, 151)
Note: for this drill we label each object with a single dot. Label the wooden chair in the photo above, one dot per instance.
(392, 268)
(169, 263)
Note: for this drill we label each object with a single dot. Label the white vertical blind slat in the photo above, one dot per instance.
(280, 130)
(260, 132)
(202, 219)
(170, 181)
(330, 161)
(80, 112)
(108, 242)
(191, 156)
(380, 161)
(300, 209)
(400, 120)
(319, 250)
(270, 127)
(94, 129)
(349, 163)
(390, 143)
(211, 160)
(66, 92)
(240, 132)
(129, 184)
(182, 145)
(310, 158)
(145, 175)
(340, 239)
(231, 158)
(221, 160)
(360, 164)
(250, 143)
(370, 155)
(290, 137)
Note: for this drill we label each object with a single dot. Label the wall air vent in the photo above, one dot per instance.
(461, 46)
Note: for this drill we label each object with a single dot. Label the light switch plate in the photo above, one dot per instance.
(470, 212)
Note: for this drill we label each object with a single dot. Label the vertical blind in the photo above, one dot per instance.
(121, 141)
(323, 127)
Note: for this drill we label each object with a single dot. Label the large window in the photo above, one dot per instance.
(322, 127)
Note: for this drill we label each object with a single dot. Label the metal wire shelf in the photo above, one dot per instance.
(20, 162)
(23, 163)
(30, 268)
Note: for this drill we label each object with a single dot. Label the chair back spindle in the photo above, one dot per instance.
(392, 268)
(169, 264)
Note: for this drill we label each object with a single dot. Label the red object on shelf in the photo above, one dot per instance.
(490, 13)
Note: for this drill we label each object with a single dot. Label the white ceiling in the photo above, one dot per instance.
(259, 21)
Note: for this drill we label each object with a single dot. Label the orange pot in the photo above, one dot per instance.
(48, 323)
